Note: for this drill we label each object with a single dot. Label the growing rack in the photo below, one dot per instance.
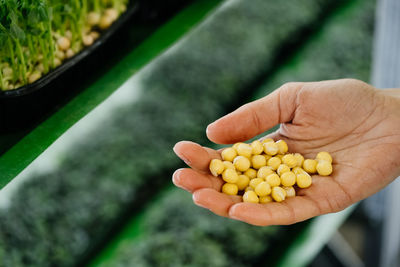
(21, 148)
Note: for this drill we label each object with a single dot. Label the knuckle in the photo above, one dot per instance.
(353, 81)
(291, 85)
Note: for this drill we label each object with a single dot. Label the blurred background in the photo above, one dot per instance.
(101, 195)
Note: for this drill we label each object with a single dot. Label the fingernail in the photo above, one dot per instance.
(232, 214)
(208, 128)
(175, 148)
(176, 177)
(180, 154)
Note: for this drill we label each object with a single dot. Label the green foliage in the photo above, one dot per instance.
(235, 243)
(55, 218)
(189, 248)
(339, 51)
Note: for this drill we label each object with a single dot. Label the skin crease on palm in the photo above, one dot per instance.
(355, 122)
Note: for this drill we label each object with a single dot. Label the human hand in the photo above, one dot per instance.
(356, 123)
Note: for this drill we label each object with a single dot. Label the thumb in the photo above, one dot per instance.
(256, 117)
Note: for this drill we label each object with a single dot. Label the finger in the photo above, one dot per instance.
(256, 117)
(195, 155)
(290, 211)
(215, 201)
(191, 180)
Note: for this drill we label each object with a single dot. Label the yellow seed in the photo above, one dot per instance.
(288, 179)
(230, 176)
(34, 76)
(273, 179)
(241, 163)
(235, 146)
(310, 165)
(112, 13)
(282, 147)
(228, 154)
(282, 169)
(265, 199)
(274, 163)
(258, 161)
(263, 189)
(230, 189)
(60, 55)
(270, 148)
(242, 182)
(324, 168)
(254, 182)
(228, 165)
(299, 158)
(249, 188)
(263, 172)
(216, 167)
(280, 156)
(290, 192)
(68, 34)
(239, 173)
(87, 40)
(298, 170)
(267, 140)
(289, 160)
(105, 22)
(257, 147)
(93, 18)
(57, 62)
(63, 43)
(94, 35)
(278, 194)
(250, 196)
(70, 53)
(267, 157)
(244, 150)
(303, 180)
(251, 173)
(324, 156)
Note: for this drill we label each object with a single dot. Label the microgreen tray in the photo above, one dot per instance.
(26, 106)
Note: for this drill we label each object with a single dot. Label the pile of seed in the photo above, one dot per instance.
(264, 171)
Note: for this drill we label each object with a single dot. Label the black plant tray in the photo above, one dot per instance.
(26, 106)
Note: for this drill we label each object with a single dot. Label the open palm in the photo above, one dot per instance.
(358, 124)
